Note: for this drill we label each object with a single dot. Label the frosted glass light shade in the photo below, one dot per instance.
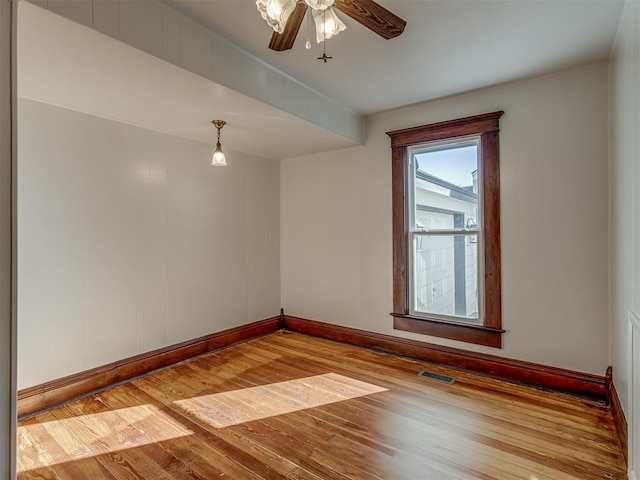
(319, 4)
(218, 159)
(327, 24)
(276, 12)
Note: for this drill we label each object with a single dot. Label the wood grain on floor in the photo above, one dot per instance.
(288, 406)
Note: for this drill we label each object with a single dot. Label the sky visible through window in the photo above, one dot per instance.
(454, 165)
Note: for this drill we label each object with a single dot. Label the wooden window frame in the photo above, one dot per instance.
(487, 126)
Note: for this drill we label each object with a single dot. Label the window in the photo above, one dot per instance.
(446, 230)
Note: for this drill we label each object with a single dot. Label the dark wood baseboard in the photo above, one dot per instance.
(43, 397)
(528, 373)
(619, 419)
(48, 395)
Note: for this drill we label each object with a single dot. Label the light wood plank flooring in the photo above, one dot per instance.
(295, 407)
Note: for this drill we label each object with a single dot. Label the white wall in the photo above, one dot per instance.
(7, 317)
(336, 221)
(131, 241)
(625, 223)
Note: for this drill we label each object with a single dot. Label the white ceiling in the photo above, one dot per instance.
(448, 46)
(66, 64)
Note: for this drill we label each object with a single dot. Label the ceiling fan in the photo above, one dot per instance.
(286, 16)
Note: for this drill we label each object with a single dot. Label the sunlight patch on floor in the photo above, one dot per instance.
(78, 437)
(104, 432)
(225, 409)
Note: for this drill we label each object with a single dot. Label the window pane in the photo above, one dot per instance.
(446, 183)
(455, 164)
(445, 275)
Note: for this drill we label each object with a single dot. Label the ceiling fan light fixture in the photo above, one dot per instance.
(327, 24)
(276, 12)
(319, 4)
(369, 13)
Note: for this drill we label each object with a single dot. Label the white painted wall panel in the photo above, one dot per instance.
(324, 113)
(232, 260)
(313, 107)
(81, 12)
(337, 118)
(68, 247)
(288, 86)
(196, 49)
(336, 221)
(227, 64)
(140, 25)
(263, 82)
(39, 263)
(259, 227)
(625, 229)
(300, 101)
(105, 17)
(249, 77)
(276, 89)
(131, 241)
(171, 33)
(634, 100)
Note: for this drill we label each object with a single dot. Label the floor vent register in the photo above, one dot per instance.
(437, 376)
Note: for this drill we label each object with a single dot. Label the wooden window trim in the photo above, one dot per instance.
(488, 127)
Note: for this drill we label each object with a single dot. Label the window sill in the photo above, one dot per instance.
(480, 335)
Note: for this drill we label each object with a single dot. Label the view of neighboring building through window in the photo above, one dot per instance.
(444, 230)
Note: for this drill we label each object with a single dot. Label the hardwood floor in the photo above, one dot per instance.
(296, 407)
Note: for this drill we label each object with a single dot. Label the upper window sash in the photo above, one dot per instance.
(412, 174)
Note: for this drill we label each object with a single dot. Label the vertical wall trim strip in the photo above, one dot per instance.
(8, 10)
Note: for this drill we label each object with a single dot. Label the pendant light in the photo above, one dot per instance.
(218, 159)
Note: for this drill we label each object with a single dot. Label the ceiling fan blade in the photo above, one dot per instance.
(373, 16)
(284, 41)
